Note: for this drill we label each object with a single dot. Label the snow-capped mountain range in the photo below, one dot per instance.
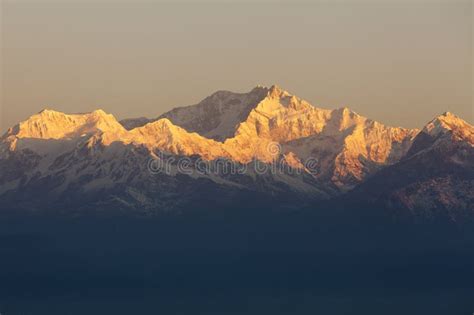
(54, 159)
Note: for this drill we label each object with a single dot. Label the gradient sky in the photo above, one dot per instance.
(399, 62)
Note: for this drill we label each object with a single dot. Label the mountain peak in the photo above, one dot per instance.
(446, 116)
(275, 87)
(447, 113)
(444, 123)
(259, 87)
(99, 112)
(445, 129)
(217, 116)
(450, 118)
(161, 127)
(48, 111)
(163, 123)
(275, 92)
(52, 124)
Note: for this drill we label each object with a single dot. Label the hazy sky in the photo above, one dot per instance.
(400, 62)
